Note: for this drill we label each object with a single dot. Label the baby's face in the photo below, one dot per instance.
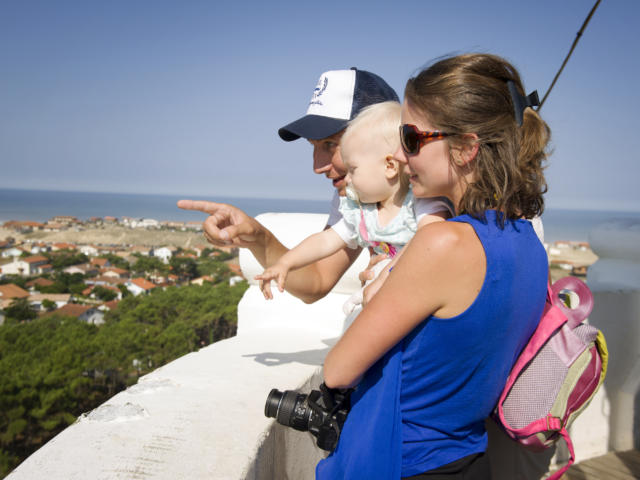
(365, 162)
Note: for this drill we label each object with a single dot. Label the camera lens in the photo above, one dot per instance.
(273, 402)
(288, 408)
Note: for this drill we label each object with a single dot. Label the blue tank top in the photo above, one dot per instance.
(423, 404)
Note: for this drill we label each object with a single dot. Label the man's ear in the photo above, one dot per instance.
(391, 167)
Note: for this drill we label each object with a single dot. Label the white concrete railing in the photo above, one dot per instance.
(202, 415)
(615, 282)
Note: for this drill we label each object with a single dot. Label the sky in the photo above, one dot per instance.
(185, 98)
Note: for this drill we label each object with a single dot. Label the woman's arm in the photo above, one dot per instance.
(440, 274)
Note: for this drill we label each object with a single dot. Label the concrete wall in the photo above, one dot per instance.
(615, 282)
(202, 415)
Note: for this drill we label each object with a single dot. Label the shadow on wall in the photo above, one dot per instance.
(306, 357)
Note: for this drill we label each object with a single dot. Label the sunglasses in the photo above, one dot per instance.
(413, 139)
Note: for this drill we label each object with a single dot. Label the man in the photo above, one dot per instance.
(338, 98)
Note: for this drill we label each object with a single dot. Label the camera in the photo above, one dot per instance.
(322, 413)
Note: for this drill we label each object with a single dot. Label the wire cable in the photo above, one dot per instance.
(575, 42)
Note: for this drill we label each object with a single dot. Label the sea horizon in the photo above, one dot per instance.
(41, 205)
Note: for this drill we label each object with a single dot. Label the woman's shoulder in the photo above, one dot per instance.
(453, 242)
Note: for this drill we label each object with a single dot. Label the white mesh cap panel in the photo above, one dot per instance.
(333, 95)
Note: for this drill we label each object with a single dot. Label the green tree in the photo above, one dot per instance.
(104, 294)
(116, 261)
(184, 267)
(54, 368)
(20, 309)
(65, 258)
(150, 266)
(49, 305)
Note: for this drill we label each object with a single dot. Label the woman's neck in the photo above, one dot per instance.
(389, 208)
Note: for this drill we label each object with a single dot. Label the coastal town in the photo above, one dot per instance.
(46, 276)
(83, 268)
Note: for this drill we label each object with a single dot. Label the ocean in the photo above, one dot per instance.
(41, 205)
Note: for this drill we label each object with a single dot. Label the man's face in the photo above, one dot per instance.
(328, 161)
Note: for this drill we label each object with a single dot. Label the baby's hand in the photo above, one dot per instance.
(277, 272)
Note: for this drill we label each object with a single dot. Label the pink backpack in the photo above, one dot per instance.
(556, 375)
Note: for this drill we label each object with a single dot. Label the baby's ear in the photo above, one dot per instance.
(391, 167)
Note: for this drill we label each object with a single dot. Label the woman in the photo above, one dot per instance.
(431, 351)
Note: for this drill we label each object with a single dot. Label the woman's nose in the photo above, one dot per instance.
(400, 155)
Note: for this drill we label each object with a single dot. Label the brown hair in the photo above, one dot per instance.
(469, 94)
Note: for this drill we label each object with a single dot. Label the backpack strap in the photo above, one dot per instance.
(572, 456)
(577, 315)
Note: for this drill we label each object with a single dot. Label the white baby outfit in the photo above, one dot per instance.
(359, 227)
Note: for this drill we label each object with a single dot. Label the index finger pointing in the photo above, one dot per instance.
(200, 205)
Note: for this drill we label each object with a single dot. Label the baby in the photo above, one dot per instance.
(379, 211)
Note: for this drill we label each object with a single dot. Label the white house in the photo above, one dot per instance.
(145, 223)
(164, 253)
(33, 265)
(89, 250)
(12, 252)
(86, 313)
(83, 268)
(60, 299)
(139, 286)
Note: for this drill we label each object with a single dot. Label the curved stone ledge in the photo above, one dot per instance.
(201, 416)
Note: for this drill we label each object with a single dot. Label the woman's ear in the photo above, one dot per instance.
(391, 167)
(467, 152)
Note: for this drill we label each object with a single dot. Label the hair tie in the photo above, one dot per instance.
(521, 102)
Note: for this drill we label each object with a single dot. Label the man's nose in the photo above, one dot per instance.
(321, 163)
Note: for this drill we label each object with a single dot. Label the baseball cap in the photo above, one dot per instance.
(338, 97)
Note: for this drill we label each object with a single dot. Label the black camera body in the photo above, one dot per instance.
(322, 412)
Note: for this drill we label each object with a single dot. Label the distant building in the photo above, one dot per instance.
(9, 292)
(144, 251)
(138, 286)
(89, 250)
(145, 223)
(83, 268)
(23, 227)
(164, 253)
(13, 252)
(60, 299)
(34, 285)
(193, 225)
(100, 262)
(62, 246)
(64, 219)
(86, 313)
(115, 272)
(33, 265)
(107, 306)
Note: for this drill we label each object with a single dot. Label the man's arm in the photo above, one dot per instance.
(228, 225)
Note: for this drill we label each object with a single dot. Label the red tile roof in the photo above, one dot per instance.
(73, 309)
(143, 283)
(40, 282)
(11, 290)
(35, 259)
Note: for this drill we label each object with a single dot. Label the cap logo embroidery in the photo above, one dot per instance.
(320, 88)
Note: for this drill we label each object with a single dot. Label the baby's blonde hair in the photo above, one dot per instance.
(380, 120)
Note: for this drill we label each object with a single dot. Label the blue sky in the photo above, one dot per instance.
(186, 97)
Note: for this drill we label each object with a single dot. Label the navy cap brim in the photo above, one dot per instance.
(312, 127)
